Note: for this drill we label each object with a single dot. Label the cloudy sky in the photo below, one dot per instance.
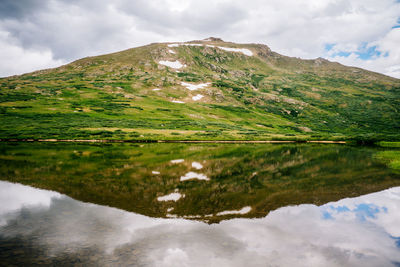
(36, 34)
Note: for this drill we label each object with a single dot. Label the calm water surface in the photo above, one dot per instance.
(197, 205)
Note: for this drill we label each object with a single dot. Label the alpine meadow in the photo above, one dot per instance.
(200, 90)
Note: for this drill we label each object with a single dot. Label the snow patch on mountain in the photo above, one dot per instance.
(173, 45)
(197, 165)
(197, 97)
(171, 197)
(244, 51)
(172, 64)
(177, 101)
(194, 175)
(231, 212)
(193, 87)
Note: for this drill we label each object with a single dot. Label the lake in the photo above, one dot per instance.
(197, 205)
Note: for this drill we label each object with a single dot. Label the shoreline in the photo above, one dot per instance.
(172, 141)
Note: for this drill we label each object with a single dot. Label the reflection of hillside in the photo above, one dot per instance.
(132, 177)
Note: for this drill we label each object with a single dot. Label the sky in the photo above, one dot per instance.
(37, 34)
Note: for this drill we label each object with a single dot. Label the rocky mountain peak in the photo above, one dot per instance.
(213, 39)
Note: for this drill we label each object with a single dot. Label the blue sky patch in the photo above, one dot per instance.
(397, 24)
(368, 53)
(326, 215)
(364, 211)
(329, 47)
(363, 52)
(340, 209)
(396, 240)
(342, 54)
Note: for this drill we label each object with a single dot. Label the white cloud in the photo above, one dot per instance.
(16, 196)
(360, 231)
(389, 60)
(17, 60)
(68, 30)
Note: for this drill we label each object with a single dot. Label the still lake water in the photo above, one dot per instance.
(197, 205)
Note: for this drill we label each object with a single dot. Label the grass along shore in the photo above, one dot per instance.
(175, 141)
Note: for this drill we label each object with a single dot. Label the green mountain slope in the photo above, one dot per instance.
(252, 94)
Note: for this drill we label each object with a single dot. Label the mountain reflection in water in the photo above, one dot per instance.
(208, 182)
(45, 227)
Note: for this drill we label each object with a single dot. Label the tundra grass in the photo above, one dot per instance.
(263, 97)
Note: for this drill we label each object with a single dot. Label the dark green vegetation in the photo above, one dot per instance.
(264, 177)
(261, 97)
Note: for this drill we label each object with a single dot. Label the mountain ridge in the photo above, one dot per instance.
(318, 61)
(200, 90)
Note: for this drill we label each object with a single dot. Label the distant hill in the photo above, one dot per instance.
(200, 90)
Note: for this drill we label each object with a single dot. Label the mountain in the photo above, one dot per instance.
(200, 90)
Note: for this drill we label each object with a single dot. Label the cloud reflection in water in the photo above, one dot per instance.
(360, 231)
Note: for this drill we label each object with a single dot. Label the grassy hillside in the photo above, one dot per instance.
(259, 97)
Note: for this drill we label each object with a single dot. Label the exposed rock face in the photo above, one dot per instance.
(264, 51)
(213, 39)
(320, 61)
